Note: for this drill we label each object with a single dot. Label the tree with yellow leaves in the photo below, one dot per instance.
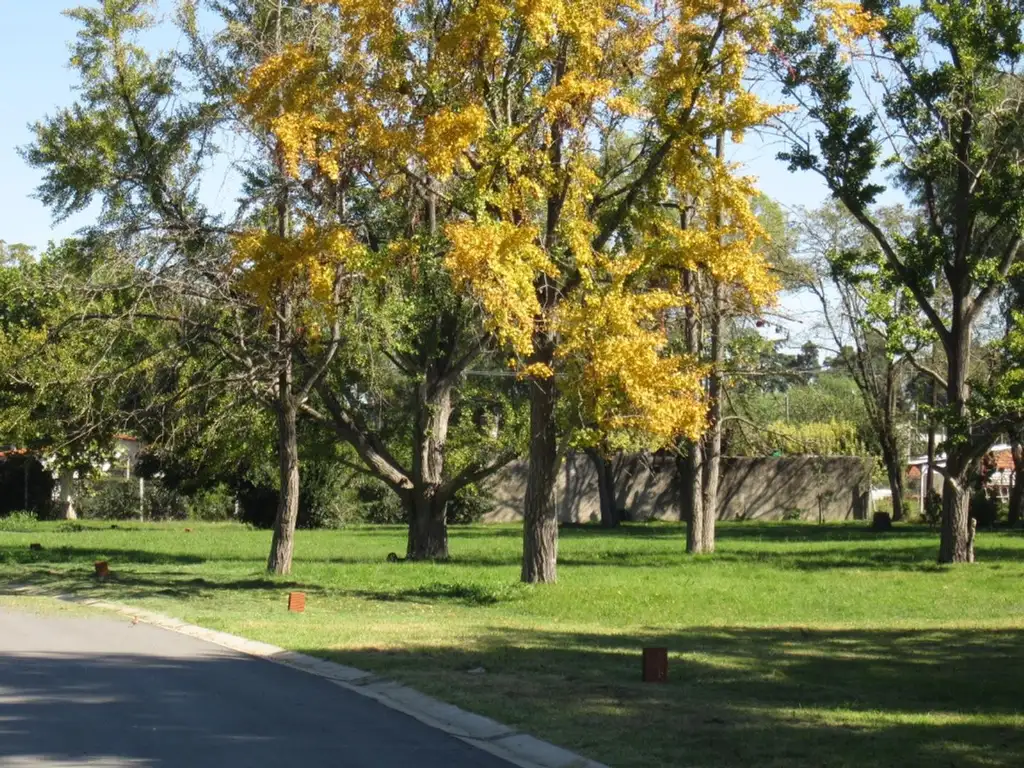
(543, 137)
(540, 139)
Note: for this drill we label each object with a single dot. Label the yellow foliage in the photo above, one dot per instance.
(617, 374)
(846, 20)
(505, 105)
(448, 134)
(500, 263)
(270, 263)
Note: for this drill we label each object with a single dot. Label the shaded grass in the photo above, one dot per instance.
(794, 645)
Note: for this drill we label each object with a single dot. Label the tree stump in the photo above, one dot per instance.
(655, 665)
(882, 521)
(102, 568)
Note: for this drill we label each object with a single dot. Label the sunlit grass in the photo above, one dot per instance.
(794, 645)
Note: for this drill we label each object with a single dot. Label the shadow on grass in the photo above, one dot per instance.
(129, 586)
(464, 594)
(738, 697)
(23, 555)
(174, 706)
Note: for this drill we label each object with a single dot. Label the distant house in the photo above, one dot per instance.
(999, 483)
(35, 481)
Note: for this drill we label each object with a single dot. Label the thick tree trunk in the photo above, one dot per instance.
(540, 524)
(427, 506)
(428, 527)
(283, 544)
(67, 495)
(894, 472)
(1016, 513)
(956, 543)
(605, 488)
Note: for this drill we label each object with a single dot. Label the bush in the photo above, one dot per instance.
(379, 504)
(212, 504)
(110, 500)
(18, 521)
(114, 499)
(984, 509)
(932, 511)
(469, 505)
(322, 495)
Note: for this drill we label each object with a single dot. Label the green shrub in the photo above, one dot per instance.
(115, 499)
(469, 505)
(379, 504)
(932, 511)
(984, 509)
(212, 504)
(19, 520)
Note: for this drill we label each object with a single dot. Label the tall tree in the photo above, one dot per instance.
(948, 126)
(865, 312)
(139, 139)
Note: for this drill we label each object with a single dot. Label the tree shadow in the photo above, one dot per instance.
(463, 594)
(23, 555)
(203, 710)
(130, 585)
(738, 697)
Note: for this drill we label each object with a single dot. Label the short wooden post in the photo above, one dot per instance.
(102, 568)
(296, 602)
(655, 668)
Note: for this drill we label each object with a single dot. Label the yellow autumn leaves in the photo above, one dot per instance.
(505, 114)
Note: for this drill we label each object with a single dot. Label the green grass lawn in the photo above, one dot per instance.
(794, 645)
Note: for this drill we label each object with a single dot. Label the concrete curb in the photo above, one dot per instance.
(483, 733)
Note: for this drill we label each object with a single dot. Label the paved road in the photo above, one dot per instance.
(105, 692)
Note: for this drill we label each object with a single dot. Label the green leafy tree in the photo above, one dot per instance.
(948, 128)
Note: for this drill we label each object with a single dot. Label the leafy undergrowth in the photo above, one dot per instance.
(794, 645)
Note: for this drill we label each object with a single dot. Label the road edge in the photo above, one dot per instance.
(481, 732)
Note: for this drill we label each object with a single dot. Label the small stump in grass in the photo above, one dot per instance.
(655, 667)
(296, 602)
(36, 547)
(881, 522)
(102, 568)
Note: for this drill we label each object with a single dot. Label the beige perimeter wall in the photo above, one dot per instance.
(813, 487)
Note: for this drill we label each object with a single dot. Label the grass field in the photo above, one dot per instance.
(794, 645)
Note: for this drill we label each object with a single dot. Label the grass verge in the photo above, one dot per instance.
(794, 645)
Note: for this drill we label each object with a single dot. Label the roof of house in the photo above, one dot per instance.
(1003, 454)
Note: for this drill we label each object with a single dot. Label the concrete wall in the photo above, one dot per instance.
(833, 488)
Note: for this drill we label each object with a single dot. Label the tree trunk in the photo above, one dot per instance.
(540, 523)
(894, 472)
(283, 543)
(956, 545)
(713, 438)
(956, 542)
(427, 507)
(691, 495)
(1016, 513)
(428, 527)
(67, 495)
(605, 488)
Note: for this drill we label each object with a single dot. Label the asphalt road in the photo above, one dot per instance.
(106, 692)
